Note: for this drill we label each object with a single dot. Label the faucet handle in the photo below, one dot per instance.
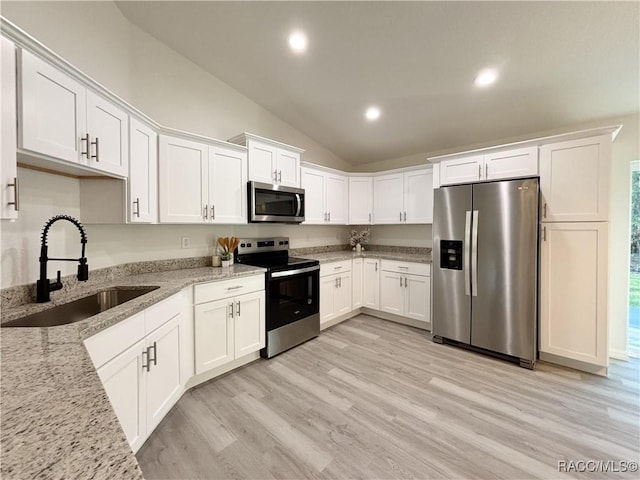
(57, 285)
(58, 279)
(83, 272)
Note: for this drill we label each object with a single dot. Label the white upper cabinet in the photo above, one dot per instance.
(326, 197)
(360, 200)
(356, 272)
(403, 197)
(388, 198)
(574, 180)
(516, 163)
(53, 112)
(227, 185)
(8, 138)
(270, 161)
(143, 173)
(108, 128)
(60, 118)
(183, 176)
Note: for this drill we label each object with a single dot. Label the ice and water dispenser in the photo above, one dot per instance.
(451, 254)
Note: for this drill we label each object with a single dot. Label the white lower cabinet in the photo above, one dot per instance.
(139, 362)
(231, 327)
(335, 290)
(405, 289)
(371, 283)
(573, 291)
(357, 284)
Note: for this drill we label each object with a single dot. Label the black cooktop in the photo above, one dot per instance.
(274, 264)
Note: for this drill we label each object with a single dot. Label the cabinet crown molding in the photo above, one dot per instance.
(244, 137)
(612, 130)
(322, 168)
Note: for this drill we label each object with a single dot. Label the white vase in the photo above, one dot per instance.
(226, 263)
(358, 248)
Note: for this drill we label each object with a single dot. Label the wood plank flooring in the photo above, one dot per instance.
(373, 399)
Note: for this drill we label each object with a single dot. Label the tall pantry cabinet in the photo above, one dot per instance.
(574, 185)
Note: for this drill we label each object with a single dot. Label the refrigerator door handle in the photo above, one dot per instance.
(467, 263)
(474, 254)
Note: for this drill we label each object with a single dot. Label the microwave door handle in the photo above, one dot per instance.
(299, 202)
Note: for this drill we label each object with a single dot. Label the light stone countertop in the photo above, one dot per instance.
(338, 256)
(57, 421)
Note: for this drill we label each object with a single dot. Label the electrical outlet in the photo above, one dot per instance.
(186, 242)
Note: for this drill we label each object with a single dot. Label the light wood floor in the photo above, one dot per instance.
(373, 399)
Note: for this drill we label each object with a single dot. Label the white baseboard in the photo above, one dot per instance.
(214, 372)
(619, 354)
(575, 364)
(397, 318)
(341, 318)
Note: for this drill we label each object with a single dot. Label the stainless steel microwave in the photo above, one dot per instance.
(275, 203)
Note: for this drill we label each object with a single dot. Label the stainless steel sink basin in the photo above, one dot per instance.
(80, 309)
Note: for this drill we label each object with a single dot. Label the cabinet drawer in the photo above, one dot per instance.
(160, 313)
(335, 267)
(208, 292)
(406, 267)
(105, 345)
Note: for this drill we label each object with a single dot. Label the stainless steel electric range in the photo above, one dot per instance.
(292, 292)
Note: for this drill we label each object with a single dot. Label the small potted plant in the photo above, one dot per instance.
(228, 245)
(357, 239)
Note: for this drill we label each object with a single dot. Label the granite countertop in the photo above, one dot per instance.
(57, 421)
(338, 256)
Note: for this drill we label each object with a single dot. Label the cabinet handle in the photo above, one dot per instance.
(336, 283)
(275, 175)
(235, 287)
(405, 216)
(544, 234)
(544, 210)
(405, 282)
(206, 212)
(340, 282)
(479, 171)
(486, 171)
(400, 282)
(136, 212)
(16, 194)
(238, 312)
(213, 212)
(376, 264)
(400, 216)
(88, 143)
(145, 352)
(329, 216)
(231, 314)
(155, 354)
(402, 267)
(279, 175)
(97, 144)
(369, 218)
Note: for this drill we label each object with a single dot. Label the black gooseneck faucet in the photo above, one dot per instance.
(44, 286)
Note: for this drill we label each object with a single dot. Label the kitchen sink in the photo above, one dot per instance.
(80, 309)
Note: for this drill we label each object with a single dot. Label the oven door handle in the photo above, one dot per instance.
(289, 273)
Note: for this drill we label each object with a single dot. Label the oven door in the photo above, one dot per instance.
(274, 203)
(292, 295)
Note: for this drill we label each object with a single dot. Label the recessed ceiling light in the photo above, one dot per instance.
(372, 113)
(486, 77)
(298, 41)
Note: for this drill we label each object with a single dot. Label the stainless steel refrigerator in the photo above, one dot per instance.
(485, 264)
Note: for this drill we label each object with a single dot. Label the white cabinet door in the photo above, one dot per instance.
(418, 197)
(108, 127)
(573, 291)
(461, 170)
(388, 192)
(214, 334)
(336, 198)
(9, 135)
(371, 283)
(183, 174)
(227, 186)
(328, 286)
(288, 166)
(574, 180)
(143, 173)
(417, 298)
(163, 378)
(360, 200)
(392, 292)
(522, 162)
(262, 162)
(124, 381)
(356, 295)
(249, 323)
(342, 299)
(314, 206)
(53, 110)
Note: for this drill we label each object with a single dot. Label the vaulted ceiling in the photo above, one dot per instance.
(560, 64)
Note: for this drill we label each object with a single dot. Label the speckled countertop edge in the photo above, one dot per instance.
(57, 421)
(337, 256)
